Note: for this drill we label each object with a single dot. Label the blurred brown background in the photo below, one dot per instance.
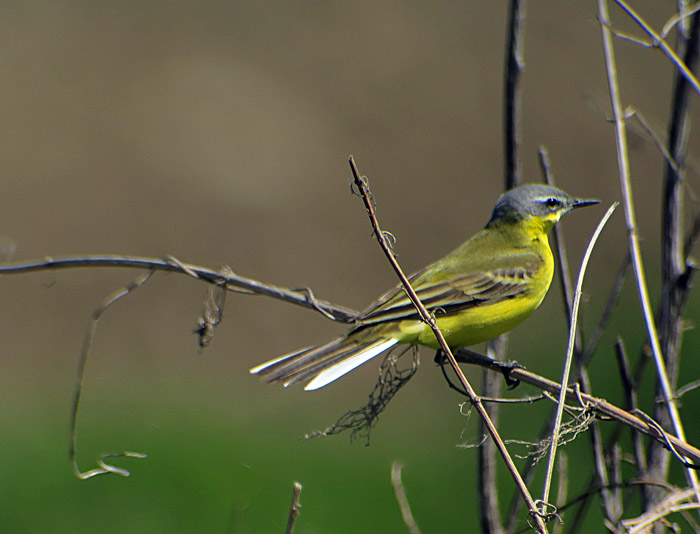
(218, 132)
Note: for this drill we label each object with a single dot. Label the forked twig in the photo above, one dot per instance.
(657, 42)
(680, 18)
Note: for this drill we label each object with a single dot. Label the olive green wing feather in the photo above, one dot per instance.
(443, 292)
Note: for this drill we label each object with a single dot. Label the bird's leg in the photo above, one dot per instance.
(471, 357)
(441, 360)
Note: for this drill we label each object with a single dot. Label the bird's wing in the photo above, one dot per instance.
(452, 292)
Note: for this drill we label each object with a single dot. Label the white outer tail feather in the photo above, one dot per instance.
(334, 372)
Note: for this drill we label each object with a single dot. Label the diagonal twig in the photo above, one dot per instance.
(657, 42)
(361, 184)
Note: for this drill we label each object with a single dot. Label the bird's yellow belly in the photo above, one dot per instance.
(473, 325)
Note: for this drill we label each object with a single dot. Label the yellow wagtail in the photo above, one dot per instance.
(483, 288)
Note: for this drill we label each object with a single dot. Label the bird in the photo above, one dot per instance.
(482, 289)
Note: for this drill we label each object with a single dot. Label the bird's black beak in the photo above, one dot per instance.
(581, 202)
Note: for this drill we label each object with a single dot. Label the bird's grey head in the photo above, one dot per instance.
(534, 200)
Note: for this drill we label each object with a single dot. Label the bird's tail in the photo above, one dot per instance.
(321, 364)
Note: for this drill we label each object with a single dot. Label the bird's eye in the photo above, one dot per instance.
(552, 202)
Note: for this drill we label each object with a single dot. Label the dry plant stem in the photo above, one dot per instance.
(496, 348)
(629, 380)
(616, 495)
(630, 113)
(612, 504)
(491, 384)
(361, 184)
(562, 258)
(562, 262)
(294, 507)
(606, 315)
(657, 41)
(515, 64)
(400, 495)
(570, 355)
(625, 182)
(674, 502)
(630, 388)
(680, 18)
(600, 477)
(231, 281)
(674, 263)
(87, 343)
(562, 487)
(674, 260)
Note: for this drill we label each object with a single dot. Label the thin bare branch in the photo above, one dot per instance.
(657, 41)
(562, 487)
(606, 315)
(564, 270)
(532, 399)
(294, 507)
(515, 64)
(674, 502)
(400, 495)
(82, 363)
(692, 237)
(231, 281)
(604, 409)
(695, 384)
(667, 442)
(562, 257)
(630, 388)
(487, 471)
(630, 113)
(680, 18)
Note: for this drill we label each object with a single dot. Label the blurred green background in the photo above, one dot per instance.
(218, 132)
